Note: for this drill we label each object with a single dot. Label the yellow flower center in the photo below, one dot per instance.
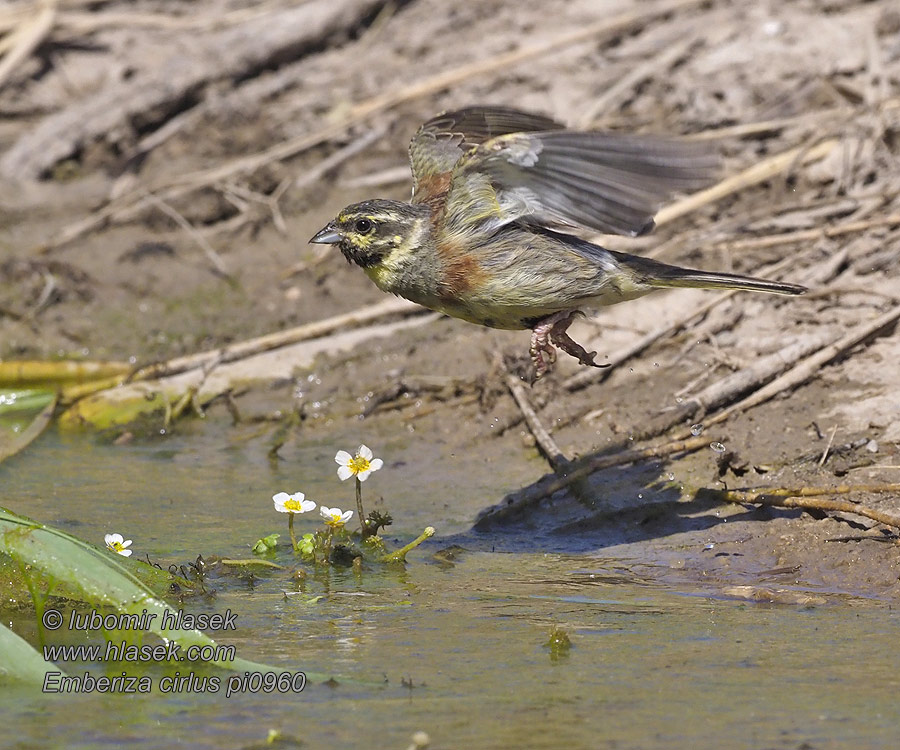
(293, 505)
(334, 521)
(358, 464)
(117, 546)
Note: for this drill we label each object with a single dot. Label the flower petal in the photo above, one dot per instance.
(127, 544)
(375, 464)
(346, 516)
(364, 475)
(365, 451)
(124, 552)
(342, 457)
(111, 539)
(306, 506)
(344, 472)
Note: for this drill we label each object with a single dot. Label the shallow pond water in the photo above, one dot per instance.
(456, 649)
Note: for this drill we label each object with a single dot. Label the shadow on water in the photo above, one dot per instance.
(621, 505)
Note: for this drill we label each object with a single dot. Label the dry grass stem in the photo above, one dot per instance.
(808, 498)
(545, 441)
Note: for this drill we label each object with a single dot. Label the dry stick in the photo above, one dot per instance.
(546, 443)
(389, 176)
(211, 255)
(195, 180)
(314, 174)
(27, 40)
(724, 391)
(798, 498)
(277, 340)
(809, 367)
(309, 177)
(89, 23)
(514, 504)
(759, 172)
(828, 446)
(588, 377)
(765, 126)
(809, 235)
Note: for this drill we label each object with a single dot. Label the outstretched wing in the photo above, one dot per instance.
(608, 182)
(442, 141)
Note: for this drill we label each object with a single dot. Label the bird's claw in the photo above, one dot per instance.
(552, 331)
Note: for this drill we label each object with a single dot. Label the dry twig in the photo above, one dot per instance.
(271, 341)
(546, 443)
(809, 367)
(803, 497)
(26, 39)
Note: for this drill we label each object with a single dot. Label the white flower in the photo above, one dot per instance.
(360, 465)
(295, 503)
(334, 517)
(117, 543)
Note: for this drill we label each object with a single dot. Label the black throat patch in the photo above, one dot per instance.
(362, 258)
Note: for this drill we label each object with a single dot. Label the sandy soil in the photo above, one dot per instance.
(144, 282)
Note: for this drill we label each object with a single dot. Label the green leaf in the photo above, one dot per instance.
(20, 661)
(23, 417)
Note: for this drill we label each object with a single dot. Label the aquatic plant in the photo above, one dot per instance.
(361, 465)
(118, 544)
(291, 504)
(334, 545)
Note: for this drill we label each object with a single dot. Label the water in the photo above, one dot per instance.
(458, 650)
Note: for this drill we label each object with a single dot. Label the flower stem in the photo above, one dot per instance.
(400, 554)
(328, 540)
(363, 528)
(291, 529)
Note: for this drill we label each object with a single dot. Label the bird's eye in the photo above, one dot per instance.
(364, 226)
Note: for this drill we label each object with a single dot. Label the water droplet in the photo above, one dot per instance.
(670, 476)
(717, 447)
(678, 399)
(640, 495)
(696, 429)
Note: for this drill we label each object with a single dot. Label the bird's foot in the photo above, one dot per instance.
(552, 330)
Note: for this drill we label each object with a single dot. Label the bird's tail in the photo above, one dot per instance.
(705, 280)
(663, 276)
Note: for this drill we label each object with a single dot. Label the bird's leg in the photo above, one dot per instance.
(540, 344)
(553, 329)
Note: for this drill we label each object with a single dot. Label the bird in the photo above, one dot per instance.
(487, 235)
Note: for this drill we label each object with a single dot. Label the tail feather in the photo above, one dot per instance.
(663, 276)
(704, 280)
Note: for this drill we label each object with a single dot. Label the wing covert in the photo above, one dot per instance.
(443, 140)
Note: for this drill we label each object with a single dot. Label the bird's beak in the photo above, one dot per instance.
(328, 235)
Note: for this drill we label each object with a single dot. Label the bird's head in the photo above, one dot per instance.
(368, 233)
